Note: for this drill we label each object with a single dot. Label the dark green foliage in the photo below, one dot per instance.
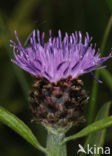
(67, 15)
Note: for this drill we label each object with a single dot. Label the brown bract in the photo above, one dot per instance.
(60, 103)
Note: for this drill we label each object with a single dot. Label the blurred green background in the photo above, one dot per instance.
(23, 16)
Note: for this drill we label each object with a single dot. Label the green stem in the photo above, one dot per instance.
(54, 146)
(94, 93)
(105, 37)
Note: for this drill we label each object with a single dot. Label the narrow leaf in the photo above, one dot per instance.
(97, 138)
(93, 99)
(27, 8)
(107, 77)
(19, 73)
(20, 127)
(109, 2)
(98, 125)
(94, 92)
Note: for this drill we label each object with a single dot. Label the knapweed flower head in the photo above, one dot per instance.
(58, 98)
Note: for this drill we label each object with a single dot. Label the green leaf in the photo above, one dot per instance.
(107, 77)
(27, 7)
(19, 73)
(93, 99)
(94, 92)
(109, 2)
(98, 125)
(20, 127)
(97, 138)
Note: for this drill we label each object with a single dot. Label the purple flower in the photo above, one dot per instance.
(58, 58)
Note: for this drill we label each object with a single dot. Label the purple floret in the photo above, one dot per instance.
(58, 58)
